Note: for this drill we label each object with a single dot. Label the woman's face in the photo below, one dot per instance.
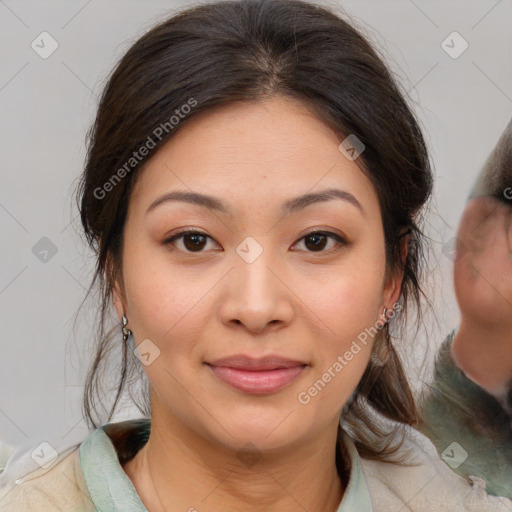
(289, 309)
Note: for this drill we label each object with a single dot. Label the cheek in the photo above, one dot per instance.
(348, 297)
(348, 307)
(163, 302)
(350, 310)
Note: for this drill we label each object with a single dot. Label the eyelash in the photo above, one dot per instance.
(337, 238)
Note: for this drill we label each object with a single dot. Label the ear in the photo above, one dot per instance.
(393, 285)
(117, 288)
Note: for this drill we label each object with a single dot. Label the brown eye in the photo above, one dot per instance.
(192, 241)
(316, 241)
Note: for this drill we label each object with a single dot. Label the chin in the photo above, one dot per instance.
(269, 429)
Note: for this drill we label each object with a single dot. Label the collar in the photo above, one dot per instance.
(111, 489)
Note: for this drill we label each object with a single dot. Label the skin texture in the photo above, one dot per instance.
(293, 300)
(482, 346)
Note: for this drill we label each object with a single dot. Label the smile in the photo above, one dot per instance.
(257, 380)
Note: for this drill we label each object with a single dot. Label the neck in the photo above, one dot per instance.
(179, 469)
(483, 354)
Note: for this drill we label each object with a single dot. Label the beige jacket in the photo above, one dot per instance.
(374, 486)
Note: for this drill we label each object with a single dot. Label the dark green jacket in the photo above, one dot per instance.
(469, 427)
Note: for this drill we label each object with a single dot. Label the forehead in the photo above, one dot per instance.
(254, 152)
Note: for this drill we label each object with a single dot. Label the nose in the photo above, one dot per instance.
(257, 296)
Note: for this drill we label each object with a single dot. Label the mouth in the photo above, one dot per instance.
(257, 376)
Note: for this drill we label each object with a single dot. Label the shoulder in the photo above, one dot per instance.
(55, 487)
(424, 482)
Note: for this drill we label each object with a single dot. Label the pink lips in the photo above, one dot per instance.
(257, 376)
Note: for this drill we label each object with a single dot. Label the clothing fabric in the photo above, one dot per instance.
(463, 419)
(89, 477)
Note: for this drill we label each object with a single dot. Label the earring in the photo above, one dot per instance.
(382, 350)
(380, 324)
(126, 332)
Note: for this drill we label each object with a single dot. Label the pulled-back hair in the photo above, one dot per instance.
(212, 55)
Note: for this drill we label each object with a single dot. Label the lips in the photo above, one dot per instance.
(257, 376)
(266, 363)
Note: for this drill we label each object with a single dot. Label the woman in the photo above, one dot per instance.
(253, 190)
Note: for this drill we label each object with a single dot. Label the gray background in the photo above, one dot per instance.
(47, 106)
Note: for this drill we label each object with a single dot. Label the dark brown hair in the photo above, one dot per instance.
(228, 51)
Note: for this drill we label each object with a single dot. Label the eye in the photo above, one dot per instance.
(192, 241)
(315, 241)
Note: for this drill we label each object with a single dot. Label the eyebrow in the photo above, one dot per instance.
(291, 206)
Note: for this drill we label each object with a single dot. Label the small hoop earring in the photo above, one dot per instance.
(126, 332)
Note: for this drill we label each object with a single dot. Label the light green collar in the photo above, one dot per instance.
(112, 491)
